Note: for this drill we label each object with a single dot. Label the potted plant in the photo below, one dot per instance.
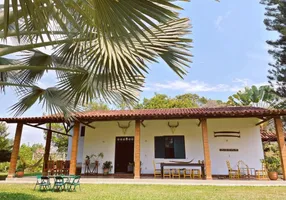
(130, 167)
(20, 170)
(97, 157)
(273, 165)
(107, 166)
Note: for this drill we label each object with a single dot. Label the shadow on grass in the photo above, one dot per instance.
(20, 196)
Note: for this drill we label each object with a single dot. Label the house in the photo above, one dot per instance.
(211, 135)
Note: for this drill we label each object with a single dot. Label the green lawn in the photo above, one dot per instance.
(106, 192)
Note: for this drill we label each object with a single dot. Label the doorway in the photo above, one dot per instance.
(124, 153)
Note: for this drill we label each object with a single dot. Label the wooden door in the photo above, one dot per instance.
(124, 153)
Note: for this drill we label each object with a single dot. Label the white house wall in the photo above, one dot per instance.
(102, 139)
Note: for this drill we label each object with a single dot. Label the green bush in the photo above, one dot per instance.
(4, 166)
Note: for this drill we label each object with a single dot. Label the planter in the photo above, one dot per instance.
(273, 176)
(130, 168)
(105, 171)
(20, 174)
(87, 162)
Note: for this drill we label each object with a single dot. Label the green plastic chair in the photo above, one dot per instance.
(45, 183)
(59, 183)
(38, 181)
(73, 183)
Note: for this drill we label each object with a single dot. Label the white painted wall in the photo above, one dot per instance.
(102, 139)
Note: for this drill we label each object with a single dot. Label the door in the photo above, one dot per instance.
(124, 153)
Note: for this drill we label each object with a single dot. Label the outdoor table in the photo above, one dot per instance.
(182, 164)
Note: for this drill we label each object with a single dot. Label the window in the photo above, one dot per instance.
(170, 147)
(82, 131)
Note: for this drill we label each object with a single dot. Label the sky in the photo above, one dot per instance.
(229, 52)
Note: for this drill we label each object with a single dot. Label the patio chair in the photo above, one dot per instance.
(187, 173)
(244, 170)
(59, 183)
(232, 173)
(196, 173)
(72, 184)
(45, 183)
(38, 181)
(167, 173)
(262, 173)
(157, 172)
(176, 173)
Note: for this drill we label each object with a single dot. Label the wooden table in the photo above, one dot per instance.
(178, 164)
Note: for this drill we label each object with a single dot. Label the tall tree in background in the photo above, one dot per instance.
(188, 100)
(276, 21)
(100, 49)
(6, 144)
(253, 96)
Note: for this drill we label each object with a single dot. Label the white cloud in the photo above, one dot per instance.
(201, 86)
(219, 20)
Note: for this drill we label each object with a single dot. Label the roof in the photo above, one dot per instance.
(268, 136)
(147, 114)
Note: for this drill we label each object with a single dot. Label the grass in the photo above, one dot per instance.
(156, 192)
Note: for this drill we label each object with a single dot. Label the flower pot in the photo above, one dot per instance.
(87, 162)
(20, 174)
(105, 171)
(130, 168)
(273, 176)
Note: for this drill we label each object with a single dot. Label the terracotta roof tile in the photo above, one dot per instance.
(173, 113)
(269, 136)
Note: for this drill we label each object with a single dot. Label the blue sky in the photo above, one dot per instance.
(229, 53)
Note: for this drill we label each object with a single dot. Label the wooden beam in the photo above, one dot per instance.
(137, 150)
(281, 144)
(142, 123)
(74, 147)
(87, 124)
(207, 158)
(200, 121)
(263, 121)
(15, 151)
(35, 126)
(47, 150)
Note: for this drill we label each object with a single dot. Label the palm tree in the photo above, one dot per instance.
(100, 49)
(258, 97)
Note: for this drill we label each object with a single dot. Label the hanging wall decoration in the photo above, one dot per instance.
(173, 126)
(124, 127)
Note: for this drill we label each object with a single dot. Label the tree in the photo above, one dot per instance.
(26, 157)
(188, 100)
(6, 144)
(276, 21)
(96, 105)
(258, 97)
(100, 49)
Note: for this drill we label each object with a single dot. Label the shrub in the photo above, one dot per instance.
(4, 166)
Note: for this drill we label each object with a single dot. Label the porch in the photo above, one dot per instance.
(153, 181)
(200, 119)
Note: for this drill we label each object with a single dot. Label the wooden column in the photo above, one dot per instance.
(15, 151)
(74, 147)
(47, 148)
(207, 158)
(281, 144)
(137, 150)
